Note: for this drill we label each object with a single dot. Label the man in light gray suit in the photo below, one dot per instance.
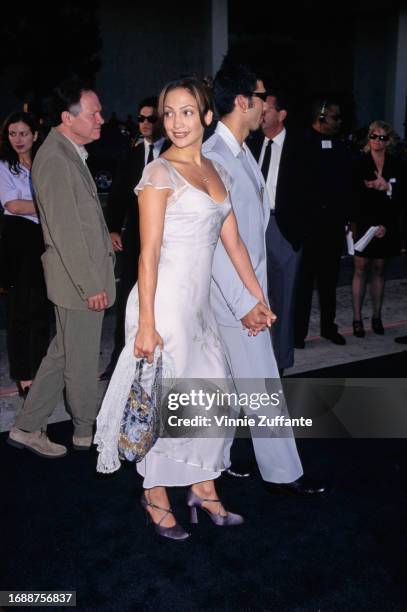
(78, 265)
(240, 101)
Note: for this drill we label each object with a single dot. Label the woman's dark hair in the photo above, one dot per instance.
(196, 88)
(7, 153)
(66, 97)
(232, 80)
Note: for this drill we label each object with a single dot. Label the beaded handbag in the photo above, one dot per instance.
(140, 424)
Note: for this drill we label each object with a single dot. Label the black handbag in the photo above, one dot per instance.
(140, 425)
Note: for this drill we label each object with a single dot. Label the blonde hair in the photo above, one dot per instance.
(200, 91)
(388, 130)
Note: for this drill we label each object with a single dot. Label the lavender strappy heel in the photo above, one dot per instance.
(194, 502)
(173, 533)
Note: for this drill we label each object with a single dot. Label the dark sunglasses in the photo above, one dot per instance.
(260, 94)
(381, 137)
(150, 118)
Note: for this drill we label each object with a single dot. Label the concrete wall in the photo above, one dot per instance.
(396, 98)
(380, 69)
(147, 44)
(9, 102)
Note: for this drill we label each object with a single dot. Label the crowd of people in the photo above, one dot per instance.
(224, 230)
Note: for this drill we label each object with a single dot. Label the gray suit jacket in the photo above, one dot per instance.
(78, 261)
(229, 297)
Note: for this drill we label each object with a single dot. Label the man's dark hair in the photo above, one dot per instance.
(66, 97)
(232, 79)
(151, 101)
(282, 101)
(321, 104)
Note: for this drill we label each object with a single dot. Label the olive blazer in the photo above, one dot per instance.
(79, 260)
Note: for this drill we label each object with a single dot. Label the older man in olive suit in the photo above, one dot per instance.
(78, 266)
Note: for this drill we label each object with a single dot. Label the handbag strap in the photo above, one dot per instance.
(158, 364)
(139, 368)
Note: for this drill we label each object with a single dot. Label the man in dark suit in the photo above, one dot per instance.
(277, 151)
(327, 195)
(123, 210)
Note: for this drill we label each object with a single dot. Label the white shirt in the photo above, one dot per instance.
(80, 149)
(15, 187)
(272, 176)
(156, 148)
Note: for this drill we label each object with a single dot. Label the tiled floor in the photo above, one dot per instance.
(320, 353)
(317, 353)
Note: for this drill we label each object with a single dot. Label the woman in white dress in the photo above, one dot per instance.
(184, 208)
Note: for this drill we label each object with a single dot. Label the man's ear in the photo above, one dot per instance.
(66, 118)
(242, 103)
(283, 115)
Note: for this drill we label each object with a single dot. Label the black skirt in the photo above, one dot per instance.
(28, 311)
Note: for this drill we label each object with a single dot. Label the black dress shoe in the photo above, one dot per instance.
(377, 326)
(401, 340)
(358, 329)
(335, 338)
(301, 486)
(235, 474)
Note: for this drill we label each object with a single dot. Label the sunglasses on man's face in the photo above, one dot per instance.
(381, 137)
(150, 118)
(260, 94)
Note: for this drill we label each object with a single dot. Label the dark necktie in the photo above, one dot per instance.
(150, 157)
(266, 160)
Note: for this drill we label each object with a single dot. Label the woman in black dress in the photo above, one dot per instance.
(379, 190)
(22, 245)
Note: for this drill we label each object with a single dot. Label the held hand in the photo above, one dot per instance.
(116, 241)
(259, 317)
(98, 302)
(145, 343)
(381, 231)
(271, 317)
(255, 331)
(380, 184)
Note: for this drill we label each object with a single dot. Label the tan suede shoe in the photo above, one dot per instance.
(37, 442)
(82, 444)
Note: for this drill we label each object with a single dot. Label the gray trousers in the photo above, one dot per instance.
(253, 366)
(282, 272)
(71, 363)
